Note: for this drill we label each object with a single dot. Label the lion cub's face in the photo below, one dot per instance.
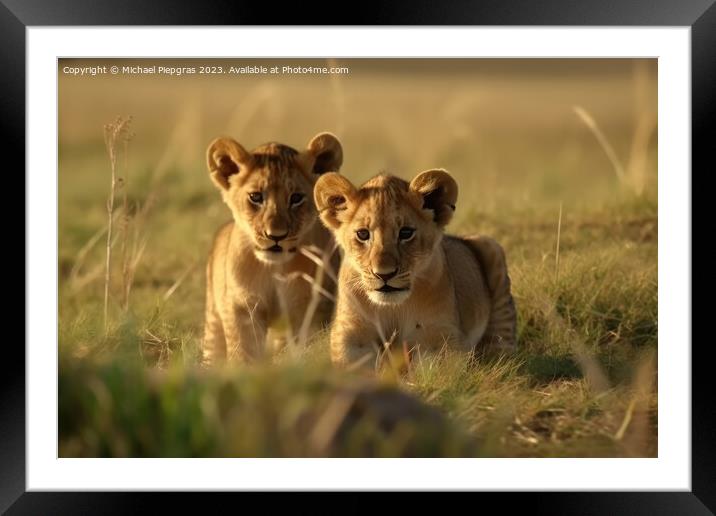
(269, 190)
(388, 228)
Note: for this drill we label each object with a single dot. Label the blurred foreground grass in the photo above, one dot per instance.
(584, 381)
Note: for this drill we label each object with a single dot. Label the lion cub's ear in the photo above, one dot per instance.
(226, 157)
(439, 193)
(333, 193)
(324, 153)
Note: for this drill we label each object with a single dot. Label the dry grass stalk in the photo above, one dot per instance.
(114, 133)
(281, 281)
(255, 351)
(358, 364)
(322, 259)
(77, 281)
(315, 254)
(591, 369)
(181, 143)
(82, 254)
(131, 219)
(646, 122)
(178, 282)
(322, 291)
(593, 372)
(634, 431)
(634, 174)
(556, 253)
(125, 224)
(260, 102)
(139, 244)
(627, 419)
(316, 292)
(385, 355)
(603, 142)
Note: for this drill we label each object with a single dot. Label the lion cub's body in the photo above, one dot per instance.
(406, 282)
(244, 297)
(264, 265)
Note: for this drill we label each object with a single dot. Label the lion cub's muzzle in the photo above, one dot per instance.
(389, 287)
(276, 248)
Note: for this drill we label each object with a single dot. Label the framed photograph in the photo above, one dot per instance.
(433, 251)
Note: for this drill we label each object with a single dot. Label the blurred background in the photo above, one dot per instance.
(482, 119)
(554, 157)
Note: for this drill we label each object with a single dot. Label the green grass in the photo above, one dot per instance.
(136, 391)
(581, 385)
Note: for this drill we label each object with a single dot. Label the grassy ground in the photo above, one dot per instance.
(579, 228)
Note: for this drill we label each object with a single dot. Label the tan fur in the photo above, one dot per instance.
(456, 291)
(256, 271)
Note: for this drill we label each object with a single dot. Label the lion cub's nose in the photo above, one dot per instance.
(385, 276)
(275, 238)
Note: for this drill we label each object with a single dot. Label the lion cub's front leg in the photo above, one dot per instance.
(354, 345)
(432, 340)
(354, 349)
(213, 345)
(245, 324)
(238, 305)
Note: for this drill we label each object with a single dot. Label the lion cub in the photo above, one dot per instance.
(256, 271)
(402, 280)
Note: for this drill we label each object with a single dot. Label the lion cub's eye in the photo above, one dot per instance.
(256, 197)
(297, 199)
(406, 233)
(363, 235)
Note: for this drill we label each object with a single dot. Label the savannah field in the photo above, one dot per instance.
(554, 158)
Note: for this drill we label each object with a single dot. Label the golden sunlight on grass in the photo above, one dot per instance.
(554, 158)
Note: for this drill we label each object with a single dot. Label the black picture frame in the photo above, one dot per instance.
(16, 15)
